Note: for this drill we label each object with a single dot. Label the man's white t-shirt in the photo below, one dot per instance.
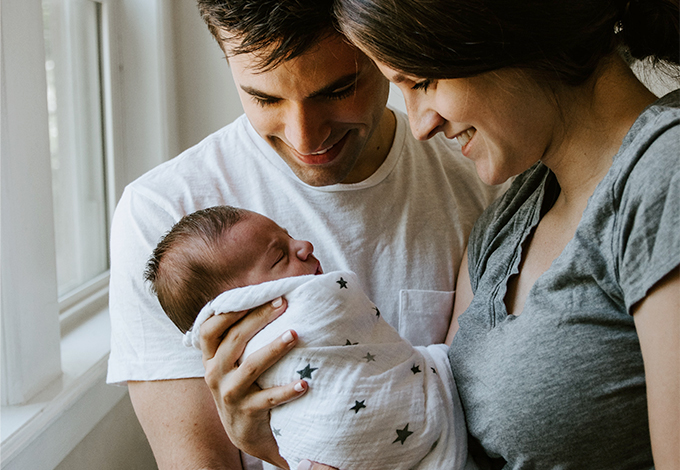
(403, 231)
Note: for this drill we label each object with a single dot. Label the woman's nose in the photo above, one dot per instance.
(425, 125)
(425, 122)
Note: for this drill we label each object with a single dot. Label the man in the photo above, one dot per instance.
(318, 152)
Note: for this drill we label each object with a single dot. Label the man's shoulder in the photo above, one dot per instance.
(222, 152)
(208, 173)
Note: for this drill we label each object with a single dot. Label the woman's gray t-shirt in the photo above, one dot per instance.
(562, 385)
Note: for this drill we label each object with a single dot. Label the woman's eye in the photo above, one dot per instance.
(424, 85)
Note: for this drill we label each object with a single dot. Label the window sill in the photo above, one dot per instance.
(40, 433)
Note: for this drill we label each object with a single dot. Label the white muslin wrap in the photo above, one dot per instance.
(374, 401)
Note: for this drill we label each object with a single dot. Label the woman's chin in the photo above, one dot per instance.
(487, 174)
(492, 174)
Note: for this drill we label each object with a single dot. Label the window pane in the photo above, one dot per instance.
(74, 82)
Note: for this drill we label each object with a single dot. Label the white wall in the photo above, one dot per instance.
(116, 443)
(206, 96)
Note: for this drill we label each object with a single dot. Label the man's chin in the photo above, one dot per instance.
(329, 168)
(318, 175)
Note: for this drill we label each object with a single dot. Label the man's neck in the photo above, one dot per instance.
(376, 150)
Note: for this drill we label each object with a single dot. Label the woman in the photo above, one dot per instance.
(566, 342)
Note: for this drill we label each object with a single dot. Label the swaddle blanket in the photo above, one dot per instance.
(374, 401)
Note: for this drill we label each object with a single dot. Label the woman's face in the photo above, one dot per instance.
(503, 120)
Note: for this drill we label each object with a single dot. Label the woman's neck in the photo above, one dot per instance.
(597, 116)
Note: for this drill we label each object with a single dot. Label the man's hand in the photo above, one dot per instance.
(244, 407)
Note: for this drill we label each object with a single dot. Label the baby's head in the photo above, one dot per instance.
(217, 249)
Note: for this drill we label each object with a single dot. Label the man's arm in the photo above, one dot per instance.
(181, 423)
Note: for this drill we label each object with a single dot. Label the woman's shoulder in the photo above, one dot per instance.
(649, 158)
(641, 198)
(657, 125)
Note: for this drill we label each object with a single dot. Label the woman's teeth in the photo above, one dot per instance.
(464, 137)
(322, 151)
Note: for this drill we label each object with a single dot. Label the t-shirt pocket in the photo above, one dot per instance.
(425, 315)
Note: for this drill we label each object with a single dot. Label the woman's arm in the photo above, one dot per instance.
(463, 298)
(657, 319)
(244, 407)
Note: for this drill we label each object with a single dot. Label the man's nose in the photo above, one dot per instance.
(307, 130)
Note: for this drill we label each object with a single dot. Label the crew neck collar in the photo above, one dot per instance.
(376, 178)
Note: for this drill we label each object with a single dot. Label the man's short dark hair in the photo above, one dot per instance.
(275, 30)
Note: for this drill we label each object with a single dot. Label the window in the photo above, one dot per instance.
(77, 140)
(96, 88)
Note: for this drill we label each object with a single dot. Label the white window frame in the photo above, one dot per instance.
(54, 366)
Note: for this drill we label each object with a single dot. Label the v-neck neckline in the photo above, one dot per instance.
(548, 191)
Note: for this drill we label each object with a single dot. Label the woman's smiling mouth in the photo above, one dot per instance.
(464, 137)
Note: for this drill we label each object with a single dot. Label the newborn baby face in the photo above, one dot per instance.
(262, 251)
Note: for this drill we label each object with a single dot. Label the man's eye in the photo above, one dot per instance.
(424, 85)
(264, 102)
(343, 93)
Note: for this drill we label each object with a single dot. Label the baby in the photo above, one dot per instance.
(374, 401)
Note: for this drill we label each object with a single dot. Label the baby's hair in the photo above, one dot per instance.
(184, 270)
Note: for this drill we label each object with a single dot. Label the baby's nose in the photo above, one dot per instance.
(305, 249)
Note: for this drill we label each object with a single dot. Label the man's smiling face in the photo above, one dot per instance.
(320, 111)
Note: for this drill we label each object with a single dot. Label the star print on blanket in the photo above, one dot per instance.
(402, 435)
(306, 373)
(367, 385)
(358, 405)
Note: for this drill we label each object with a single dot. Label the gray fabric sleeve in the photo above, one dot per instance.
(649, 221)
